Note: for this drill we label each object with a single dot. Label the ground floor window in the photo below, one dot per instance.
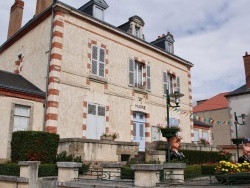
(21, 118)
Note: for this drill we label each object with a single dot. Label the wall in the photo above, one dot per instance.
(98, 150)
(221, 133)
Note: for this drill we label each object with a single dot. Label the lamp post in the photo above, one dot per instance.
(243, 116)
(176, 96)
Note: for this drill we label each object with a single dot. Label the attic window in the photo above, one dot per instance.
(137, 31)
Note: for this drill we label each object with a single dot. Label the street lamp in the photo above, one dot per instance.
(243, 120)
(176, 96)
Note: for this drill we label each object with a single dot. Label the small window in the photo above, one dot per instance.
(21, 118)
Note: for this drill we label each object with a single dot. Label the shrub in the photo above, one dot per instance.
(10, 169)
(64, 157)
(34, 146)
(47, 170)
(192, 171)
(208, 169)
(200, 157)
(127, 173)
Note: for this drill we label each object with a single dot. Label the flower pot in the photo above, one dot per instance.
(237, 141)
(169, 132)
(107, 138)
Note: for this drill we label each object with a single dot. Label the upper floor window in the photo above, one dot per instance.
(139, 75)
(168, 83)
(21, 118)
(169, 47)
(97, 61)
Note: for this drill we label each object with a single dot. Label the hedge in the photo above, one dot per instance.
(34, 146)
(10, 169)
(200, 157)
(192, 171)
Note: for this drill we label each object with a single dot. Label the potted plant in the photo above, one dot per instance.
(109, 136)
(169, 131)
(229, 172)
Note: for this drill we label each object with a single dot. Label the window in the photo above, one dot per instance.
(169, 47)
(139, 75)
(21, 118)
(196, 135)
(168, 80)
(138, 78)
(95, 121)
(97, 61)
(178, 84)
(137, 31)
(98, 13)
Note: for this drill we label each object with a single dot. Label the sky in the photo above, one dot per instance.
(213, 35)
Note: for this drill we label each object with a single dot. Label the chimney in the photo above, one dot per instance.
(41, 5)
(247, 69)
(16, 15)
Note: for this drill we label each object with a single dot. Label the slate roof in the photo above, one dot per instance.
(16, 82)
(239, 91)
(217, 102)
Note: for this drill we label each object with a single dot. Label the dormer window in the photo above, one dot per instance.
(134, 26)
(95, 8)
(169, 47)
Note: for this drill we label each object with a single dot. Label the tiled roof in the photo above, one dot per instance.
(217, 102)
(16, 82)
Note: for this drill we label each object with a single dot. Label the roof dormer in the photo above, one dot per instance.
(95, 8)
(134, 26)
(166, 42)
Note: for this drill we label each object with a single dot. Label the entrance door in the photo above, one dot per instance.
(139, 129)
(95, 121)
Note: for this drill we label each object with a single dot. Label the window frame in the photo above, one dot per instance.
(168, 83)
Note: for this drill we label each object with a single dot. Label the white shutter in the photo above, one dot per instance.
(165, 82)
(94, 60)
(101, 62)
(131, 72)
(148, 78)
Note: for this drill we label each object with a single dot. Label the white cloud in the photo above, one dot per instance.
(213, 36)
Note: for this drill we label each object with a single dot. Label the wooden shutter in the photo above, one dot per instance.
(165, 82)
(148, 78)
(94, 60)
(101, 62)
(131, 71)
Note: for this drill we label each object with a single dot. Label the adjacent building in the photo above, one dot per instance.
(215, 112)
(96, 77)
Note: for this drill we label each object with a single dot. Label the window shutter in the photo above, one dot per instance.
(165, 82)
(178, 85)
(148, 78)
(131, 72)
(94, 60)
(101, 62)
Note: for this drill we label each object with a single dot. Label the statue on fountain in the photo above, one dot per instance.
(175, 144)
